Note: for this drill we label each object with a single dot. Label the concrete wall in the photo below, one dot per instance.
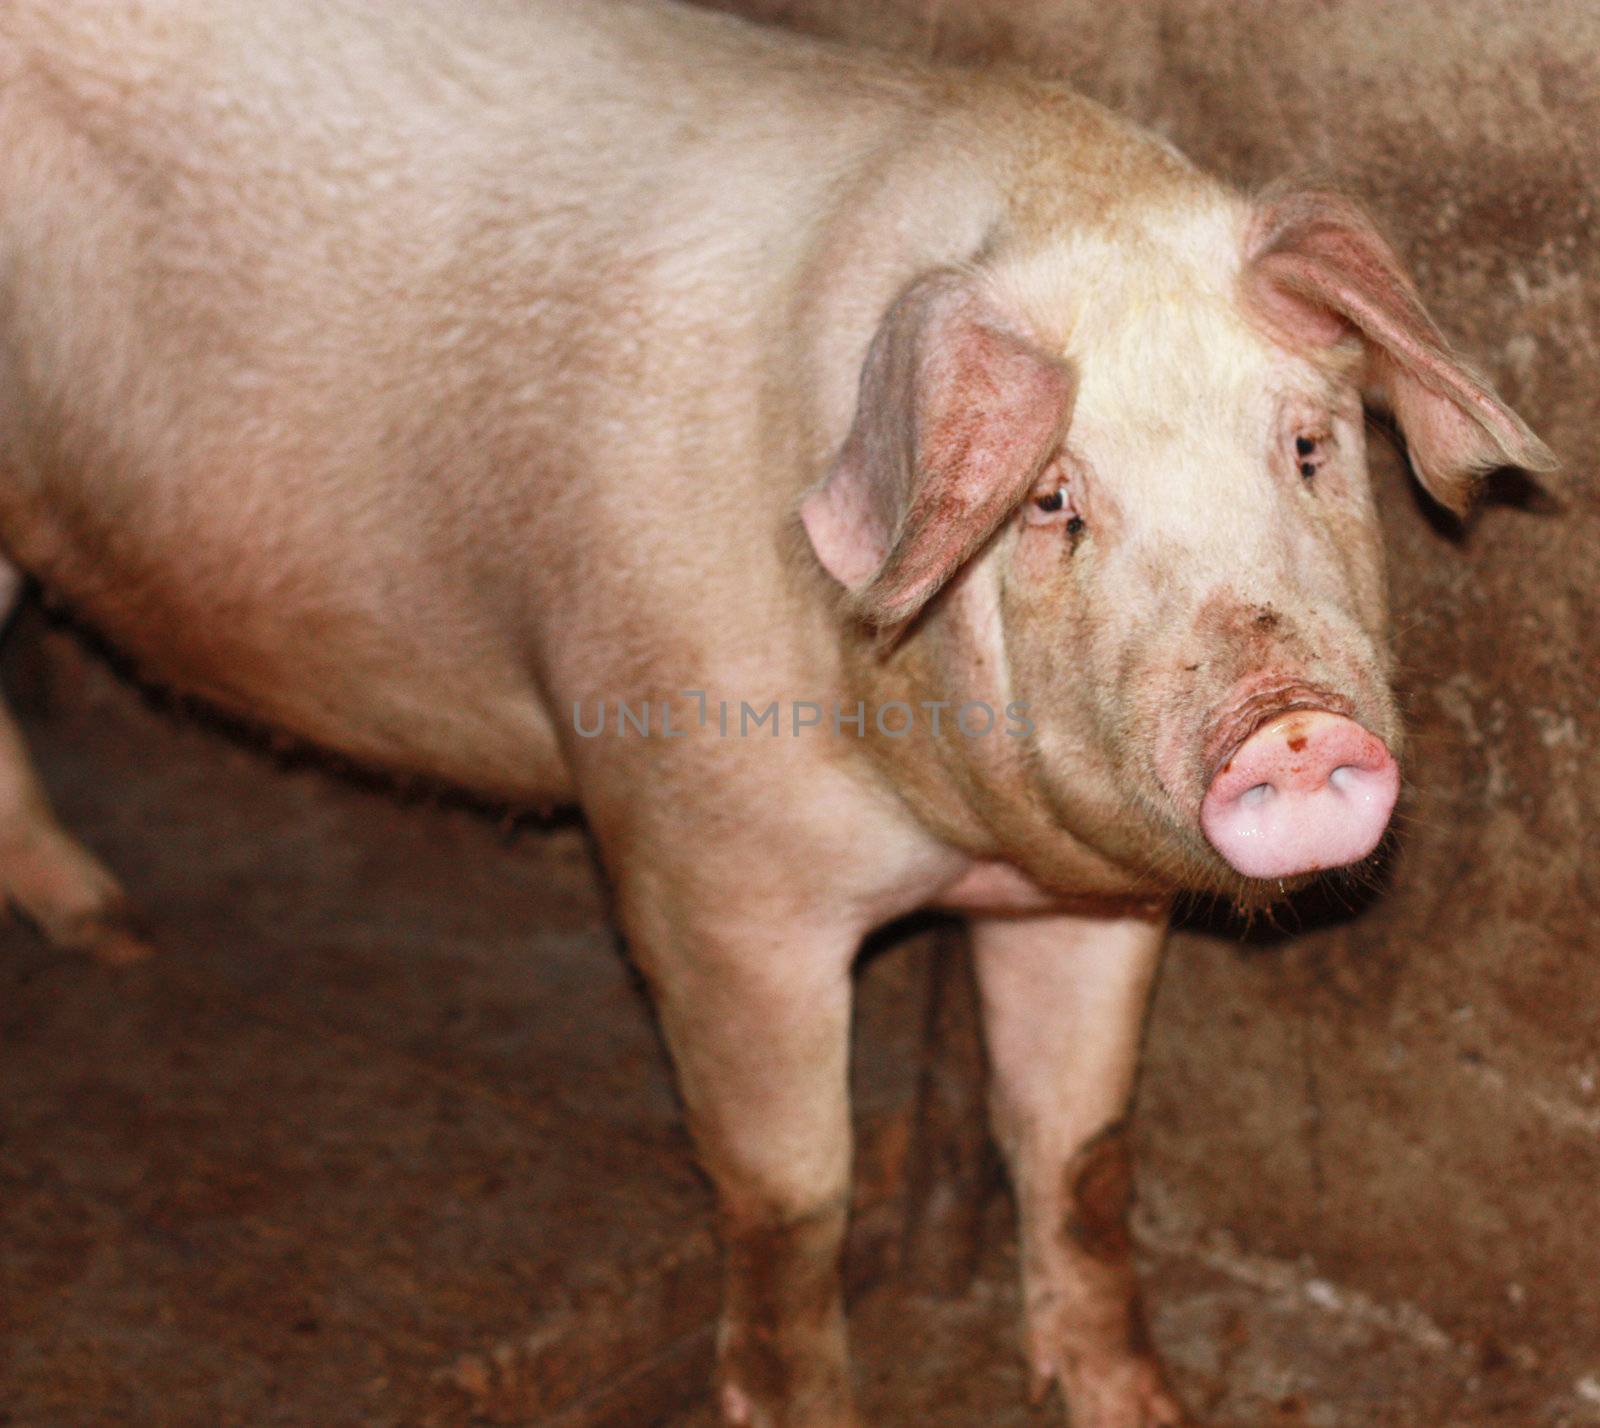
(1411, 1096)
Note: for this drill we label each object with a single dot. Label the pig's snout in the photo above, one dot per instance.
(1306, 791)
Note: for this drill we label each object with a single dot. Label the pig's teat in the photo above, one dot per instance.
(1306, 791)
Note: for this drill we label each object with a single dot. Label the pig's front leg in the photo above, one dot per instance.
(1064, 1000)
(757, 1021)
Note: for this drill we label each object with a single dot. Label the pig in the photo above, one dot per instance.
(417, 382)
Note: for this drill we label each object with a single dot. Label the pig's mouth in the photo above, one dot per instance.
(1297, 785)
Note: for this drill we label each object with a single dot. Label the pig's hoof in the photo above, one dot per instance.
(766, 1383)
(114, 938)
(1129, 1393)
(739, 1410)
(61, 889)
(113, 935)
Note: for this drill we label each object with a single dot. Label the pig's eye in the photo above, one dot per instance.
(1054, 506)
(1310, 453)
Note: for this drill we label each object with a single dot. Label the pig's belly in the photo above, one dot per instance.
(368, 656)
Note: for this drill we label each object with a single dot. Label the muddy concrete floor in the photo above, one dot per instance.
(385, 1136)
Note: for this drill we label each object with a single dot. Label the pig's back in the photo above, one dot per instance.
(345, 355)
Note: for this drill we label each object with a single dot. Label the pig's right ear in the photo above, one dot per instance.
(1317, 270)
(956, 417)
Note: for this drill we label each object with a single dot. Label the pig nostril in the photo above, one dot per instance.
(1276, 810)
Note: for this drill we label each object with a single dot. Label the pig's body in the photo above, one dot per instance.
(348, 382)
(405, 403)
(404, 381)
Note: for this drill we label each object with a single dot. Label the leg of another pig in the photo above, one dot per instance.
(1064, 1000)
(45, 874)
(758, 1028)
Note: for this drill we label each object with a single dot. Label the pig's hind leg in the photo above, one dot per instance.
(1063, 1007)
(46, 876)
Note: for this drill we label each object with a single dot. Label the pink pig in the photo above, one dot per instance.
(419, 379)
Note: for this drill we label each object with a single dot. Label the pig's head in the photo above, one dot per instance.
(1138, 454)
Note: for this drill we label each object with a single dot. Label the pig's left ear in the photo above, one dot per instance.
(956, 416)
(1317, 268)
